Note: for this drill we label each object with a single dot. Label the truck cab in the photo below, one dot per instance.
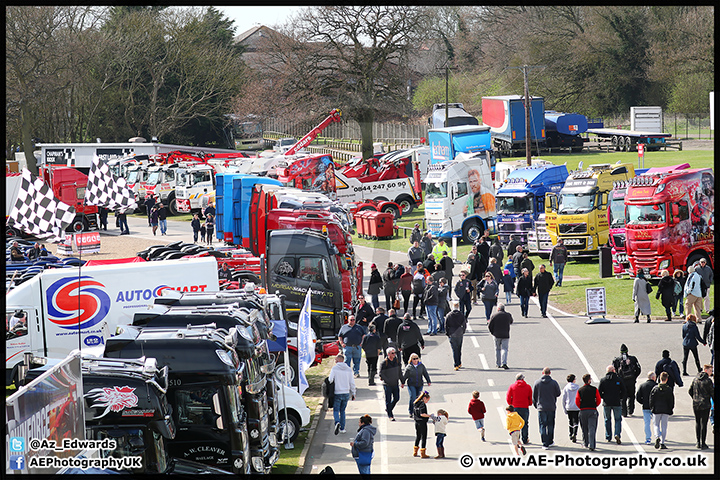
(204, 389)
(578, 213)
(194, 185)
(460, 197)
(161, 182)
(68, 185)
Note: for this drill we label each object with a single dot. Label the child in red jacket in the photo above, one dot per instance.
(477, 410)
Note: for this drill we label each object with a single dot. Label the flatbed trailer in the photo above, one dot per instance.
(627, 140)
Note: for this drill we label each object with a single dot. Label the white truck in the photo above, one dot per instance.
(460, 197)
(45, 313)
(195, 188)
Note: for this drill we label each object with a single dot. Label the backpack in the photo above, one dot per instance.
(417, 286)
(677, 290)
(629, 371)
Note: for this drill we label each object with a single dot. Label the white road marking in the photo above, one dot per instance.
(503, 422)
(475, 342)
(383, 440)
(484, 362)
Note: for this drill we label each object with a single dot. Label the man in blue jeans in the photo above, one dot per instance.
(545, 394)
(542, 284)
(350, 338)
(558, 257)
(390, 374)
(341, 376)
(612, 390)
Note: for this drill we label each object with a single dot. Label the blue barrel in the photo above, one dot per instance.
(565, 123)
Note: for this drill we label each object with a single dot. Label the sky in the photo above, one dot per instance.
(248, 17)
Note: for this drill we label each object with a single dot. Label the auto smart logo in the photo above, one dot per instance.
(77, 302)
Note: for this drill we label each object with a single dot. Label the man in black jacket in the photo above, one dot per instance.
(409, 338)
(364, 313)
(447, 265)
(477, 269)
(499, 327)
(667, 364)
(390, 373)
(390, 284)
(379, 322)
(612, 390)
(427, 243)
(455, 325)
(391, 327)
(628, 369)
(643, 398)
(463, 290)
(542, 284)
(512, 246)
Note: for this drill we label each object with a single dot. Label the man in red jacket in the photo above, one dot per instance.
(588, 399)
(519, 395)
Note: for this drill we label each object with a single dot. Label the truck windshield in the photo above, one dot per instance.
(617, 212)
(183, 179)
(576, 203)
(645, 214)
(133, 176)
(153, 178)
(514, 205)
(436, 190)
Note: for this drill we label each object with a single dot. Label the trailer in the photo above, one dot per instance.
(563, 130)
(505, 115)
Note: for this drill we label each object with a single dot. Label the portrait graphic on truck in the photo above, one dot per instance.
(478, 202)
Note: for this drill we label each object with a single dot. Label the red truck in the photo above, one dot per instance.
(68, 184)
(670, 220)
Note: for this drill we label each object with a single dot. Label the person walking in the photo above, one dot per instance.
(666, 293)
(542, 284)
(210, 228)
(508, 285)
(439, 249)
(662, 402)
(195, 225)
(364, 313)
(391, 328)
(209, 210)
(427, 244)
(447, 265)
(442, 307)
(558, 259)
(390, 375)
(628, 369)
(149, 204)
(416, 254)
(545, 393)
(708, 334)
(587, 400)
(499, 327)
(154, 218)
(643, 398)
(489, 289)
(512, 246)
(702, 391)
(405, 285)
(162, 218)
(526, 263)
(421, 417)
(708, 276)
(476, 409)
(640, 295)
(409, 338)
(440, 420)
(379, 322)
(496, 251)
(416, 235)
(691, 337)
(611, 391)
(570, 408)
(122, 222)
(455, 326)
(372, 346)
(390, 285)
(520, 397)
(494, 268)
(524, 291)
(103, 214)
(374, 286)
(666, 364)
(678, 301)
(362, 446)
(514, 424)
(693, 292)
(350, 338)
(413, 375)
(342, 378)
(418, 291)
(478, 265)
(431, 302)
(517, 259)
(463, 290)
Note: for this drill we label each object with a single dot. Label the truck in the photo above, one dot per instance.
(80, 307)
(456, 115)
(460, 197)
(205, 382)
(670, 220)
(505, 115)
(578, 213)
(645, 127)
(161, 182)
(564, 130)
(521, 199)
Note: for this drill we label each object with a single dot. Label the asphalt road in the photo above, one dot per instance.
(562, 342)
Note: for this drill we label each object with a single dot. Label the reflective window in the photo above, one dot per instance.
(195, 406)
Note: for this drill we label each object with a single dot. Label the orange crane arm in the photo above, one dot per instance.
(333, 117)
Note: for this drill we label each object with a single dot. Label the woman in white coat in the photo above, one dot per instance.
(641, 296)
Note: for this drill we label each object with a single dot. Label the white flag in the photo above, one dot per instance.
(306, 347)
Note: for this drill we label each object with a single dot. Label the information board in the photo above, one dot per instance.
(595, 301)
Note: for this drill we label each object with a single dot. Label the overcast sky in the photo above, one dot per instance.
(248, 17)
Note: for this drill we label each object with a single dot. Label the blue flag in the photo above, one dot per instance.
(306, 347)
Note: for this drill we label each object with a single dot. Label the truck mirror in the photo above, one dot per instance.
(675, 220)
(675, 210)
(217, 409)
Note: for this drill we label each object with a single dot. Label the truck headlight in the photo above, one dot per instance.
(273, 440)
(258, 464)
(664, 264)
(254, 433)
(590, 242)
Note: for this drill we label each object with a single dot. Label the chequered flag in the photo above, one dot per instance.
(106, 190)
(38, 212)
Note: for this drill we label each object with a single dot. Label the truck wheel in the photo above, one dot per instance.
(172, 206)
(11, 233)
(629, 147)
(292, 373)
(472, 231)
(77, 226)
(615, 142)
(292, 424)
(407, 205)
(391, 209)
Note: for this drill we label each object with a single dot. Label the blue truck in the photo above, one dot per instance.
(521, 199)
(563, 130)
(505, 115)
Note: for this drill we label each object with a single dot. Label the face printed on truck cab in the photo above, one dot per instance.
(474, 180)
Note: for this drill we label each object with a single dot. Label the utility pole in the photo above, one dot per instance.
(447, 83)
(528, 105)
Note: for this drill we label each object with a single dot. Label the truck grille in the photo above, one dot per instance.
(435, 226)
(619, 241)
(572, 228)
(574, 243)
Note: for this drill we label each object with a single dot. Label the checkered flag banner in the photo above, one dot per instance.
(38, 212)
(106, 190)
